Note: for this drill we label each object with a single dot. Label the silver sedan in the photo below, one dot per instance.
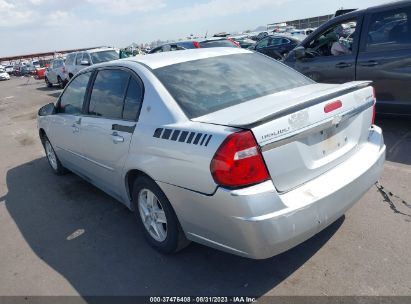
(225, 147)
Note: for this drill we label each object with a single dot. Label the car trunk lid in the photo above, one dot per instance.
(306, 131)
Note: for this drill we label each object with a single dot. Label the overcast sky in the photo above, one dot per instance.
(28, 26)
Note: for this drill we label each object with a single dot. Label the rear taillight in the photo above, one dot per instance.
(373, 107)
(238, 161)
(196, 44)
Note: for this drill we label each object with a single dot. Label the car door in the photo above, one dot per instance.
(114, 104)
(51, 73)
(330, 56)
(65, 129)
(384, 57)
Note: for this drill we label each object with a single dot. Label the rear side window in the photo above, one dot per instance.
(108, 93)
(203, 86)
(71, 102)
(217, 43)
(133, 100)
(389, 30)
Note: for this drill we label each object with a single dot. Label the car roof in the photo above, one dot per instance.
(92, 51)
(159, 60)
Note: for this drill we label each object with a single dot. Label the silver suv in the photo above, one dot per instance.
(56, 73)
(77, 61)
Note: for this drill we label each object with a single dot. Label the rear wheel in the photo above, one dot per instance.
(52, 158)
(48, 83)
(61, 82)
(157, 217)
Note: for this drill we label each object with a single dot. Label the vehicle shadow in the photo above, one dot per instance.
(93, 241)
(45, 88)
(397, 137)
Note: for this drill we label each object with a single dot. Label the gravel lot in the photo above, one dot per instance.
(62, 236)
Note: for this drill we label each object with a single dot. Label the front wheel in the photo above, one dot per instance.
(52, 158)
(48, 83)
(157, 217)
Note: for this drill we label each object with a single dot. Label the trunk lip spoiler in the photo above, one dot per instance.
(301, 133)
(306, 104)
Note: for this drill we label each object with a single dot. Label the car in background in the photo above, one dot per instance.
(301, 32)
(4, 75)
(195, 44)
(25, 70)
(276, 46)
(56, 73)
(369, 44)
(77, 61)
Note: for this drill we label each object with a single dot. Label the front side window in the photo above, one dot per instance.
(86, 57)
(389, 30)
(107, 96)
(78, 58)
(71, 102)
(207, 85)
(336, 40)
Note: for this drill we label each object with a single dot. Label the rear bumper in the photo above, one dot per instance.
(257, 222)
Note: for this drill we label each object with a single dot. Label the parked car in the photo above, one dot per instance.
(77, 61)
(370, 44)
(56, 73)
(9, 69)
(25, 70)
(223, 146)
(4, 75)
(276, 46)
(195, 44)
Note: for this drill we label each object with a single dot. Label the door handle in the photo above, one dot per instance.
(370, 63)
(343, 65)
(117, 138)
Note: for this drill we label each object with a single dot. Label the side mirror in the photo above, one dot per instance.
(299, 52)
(85, 62)
(48, 109)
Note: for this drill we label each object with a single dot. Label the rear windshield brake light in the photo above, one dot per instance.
(332, 106)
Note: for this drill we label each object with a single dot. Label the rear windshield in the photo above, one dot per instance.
(207, 85)
(104, 56)
(217, 43)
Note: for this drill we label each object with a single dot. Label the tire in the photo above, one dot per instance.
(52, 158)
(48, 83)
(60, 82)
(171, 239)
